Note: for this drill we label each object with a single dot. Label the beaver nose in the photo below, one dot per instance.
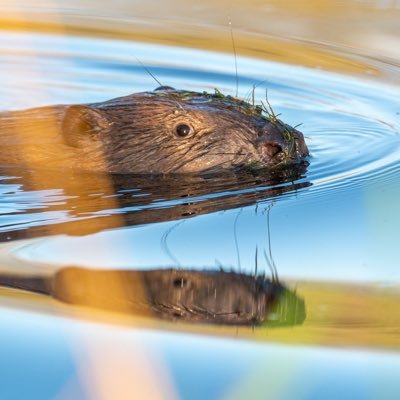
(270, 151)
(272, 147)
(280, 142)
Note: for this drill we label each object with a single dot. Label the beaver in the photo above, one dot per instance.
(209, 296)
(157, 132)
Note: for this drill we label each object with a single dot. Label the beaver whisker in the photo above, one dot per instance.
(215, 168)
(184, 162)
(200, 311)
(227, 153)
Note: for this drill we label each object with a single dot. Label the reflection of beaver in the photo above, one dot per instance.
(136, 199)
(164, 131)
(217, 297)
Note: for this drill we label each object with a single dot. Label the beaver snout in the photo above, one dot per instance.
(301, 147)
(271, 152)
(280, 143)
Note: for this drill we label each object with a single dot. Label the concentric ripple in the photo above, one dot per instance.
(351, 124)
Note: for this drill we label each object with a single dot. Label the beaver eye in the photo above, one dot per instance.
(183, 130)
(180, 282)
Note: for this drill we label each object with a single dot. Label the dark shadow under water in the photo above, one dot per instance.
(77, 203)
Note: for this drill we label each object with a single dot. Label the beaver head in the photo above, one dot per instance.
(211, 296)
(175, 131)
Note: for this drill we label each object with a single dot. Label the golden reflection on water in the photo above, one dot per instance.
(337, 315)
(105, 371)
(307, 33)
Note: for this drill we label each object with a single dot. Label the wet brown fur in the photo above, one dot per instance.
(137, 134)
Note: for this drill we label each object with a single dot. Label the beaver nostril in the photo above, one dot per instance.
(270, 150)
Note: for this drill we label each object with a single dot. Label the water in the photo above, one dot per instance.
(333, 229)
(352, 130)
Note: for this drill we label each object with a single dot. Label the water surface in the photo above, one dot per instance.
(332, 230)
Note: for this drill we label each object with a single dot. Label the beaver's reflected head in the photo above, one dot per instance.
(211, 296)
(171, 131)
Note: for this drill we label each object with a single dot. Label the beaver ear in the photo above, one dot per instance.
(163, 88)
(82, 123)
